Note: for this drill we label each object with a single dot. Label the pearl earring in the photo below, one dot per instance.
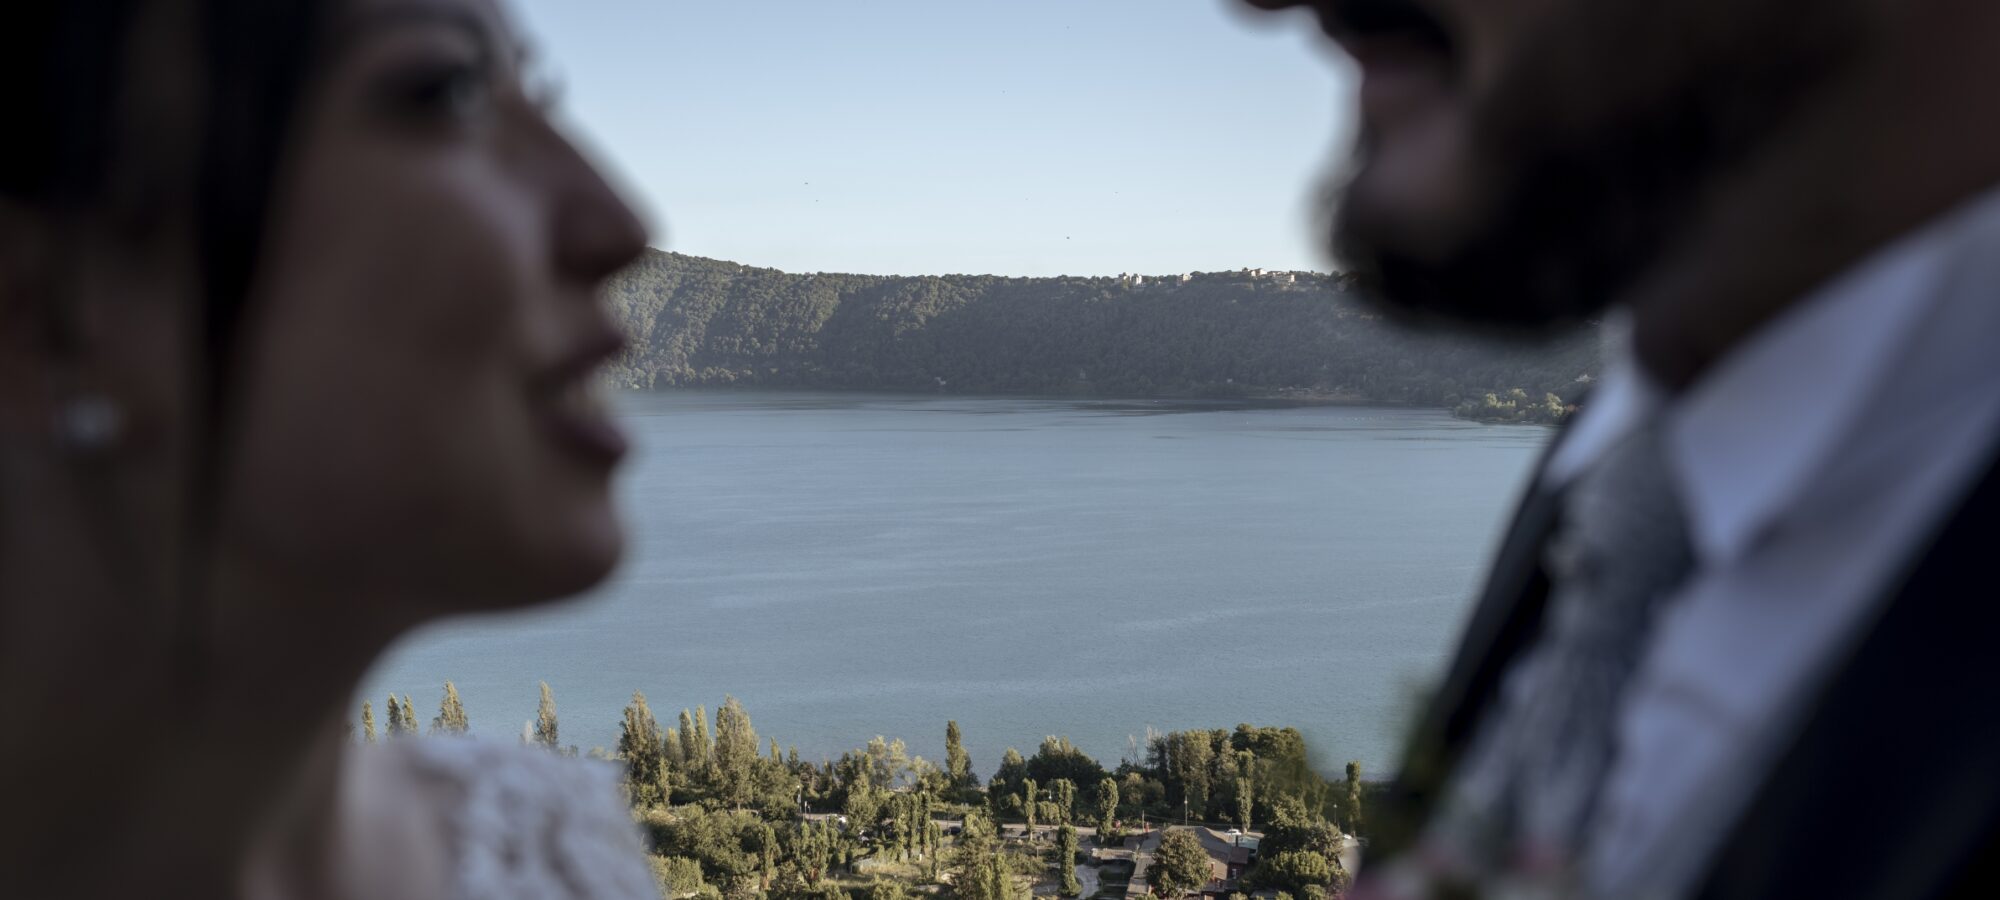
(89, 424)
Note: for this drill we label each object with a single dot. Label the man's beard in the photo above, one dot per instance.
(1595, 149)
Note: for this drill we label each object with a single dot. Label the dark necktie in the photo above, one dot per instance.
(1520, 804)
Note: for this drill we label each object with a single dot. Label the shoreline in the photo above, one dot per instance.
(1280, 399)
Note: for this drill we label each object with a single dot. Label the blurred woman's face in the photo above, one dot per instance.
(416, 422)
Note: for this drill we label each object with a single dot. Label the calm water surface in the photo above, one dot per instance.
(851, 565)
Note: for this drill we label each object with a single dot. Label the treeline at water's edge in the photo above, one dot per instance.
(1218, 813)
(698, 322)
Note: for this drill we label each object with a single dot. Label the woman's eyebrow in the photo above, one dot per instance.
(353, 28)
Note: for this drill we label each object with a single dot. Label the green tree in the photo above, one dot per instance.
(957, 763)
(642, 747)
(409, 715)
(996, 801)
(678, 876)
(1066, 861)
(547, 732)
(1293, 827)
(1136, 793)
(1352, 803)
(1295, 870)
(1006, 782)
(702, 743)
(1183, 760)
(1107, 804)
(691, 754)
(818, 844)
(1062, 792)
(863, 805)
(367, 722)
(888, 762)
(735, 752)
(451, 713)
(1180, 865)
(883, 889)
(1243, 803)
(1030, 800)
(979, 866)
(1058, 758)
(395, 716)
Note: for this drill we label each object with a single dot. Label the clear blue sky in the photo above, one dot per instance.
(1013, 137)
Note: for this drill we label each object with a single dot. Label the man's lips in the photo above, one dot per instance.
(1400, 77)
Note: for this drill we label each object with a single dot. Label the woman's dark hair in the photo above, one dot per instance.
(60, 67)
(63, 75)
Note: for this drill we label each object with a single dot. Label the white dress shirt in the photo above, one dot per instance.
(1813, 461)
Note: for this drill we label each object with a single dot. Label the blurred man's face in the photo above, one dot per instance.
(1521, 162)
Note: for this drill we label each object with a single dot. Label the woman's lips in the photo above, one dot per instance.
(572, 401)
(581, 423)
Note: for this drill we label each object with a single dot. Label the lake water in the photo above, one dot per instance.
(851, 565)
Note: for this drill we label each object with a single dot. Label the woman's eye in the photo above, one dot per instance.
(445, 94)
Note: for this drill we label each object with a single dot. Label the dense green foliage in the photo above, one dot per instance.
(1180, 865)
(1301, 850)
(728, 821)
(1209, 774)
(704, 322)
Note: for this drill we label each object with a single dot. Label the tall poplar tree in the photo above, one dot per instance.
(367, 722)
(547, 730)
(690, 754)
(1029, 797)
(735, 752)
(1353, 804)
(451, 713)
(642, 747)
(996, 800)
(702, 744)
(1066, 861)
(409, 715)
(1063, 792)
(957, 763)
(395, 716)
(1107, 805)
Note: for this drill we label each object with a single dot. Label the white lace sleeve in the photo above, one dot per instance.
(527, 823)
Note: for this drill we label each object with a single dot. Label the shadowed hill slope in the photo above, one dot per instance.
(704, 322)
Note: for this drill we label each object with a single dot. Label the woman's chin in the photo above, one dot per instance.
(566, 564)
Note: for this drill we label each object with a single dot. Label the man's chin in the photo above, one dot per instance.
(1496, 282)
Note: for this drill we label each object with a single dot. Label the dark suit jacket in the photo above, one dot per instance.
(1892, 788)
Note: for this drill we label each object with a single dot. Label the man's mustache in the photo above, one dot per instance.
(1382, 18)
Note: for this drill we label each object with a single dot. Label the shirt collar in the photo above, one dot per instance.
(1748, 438)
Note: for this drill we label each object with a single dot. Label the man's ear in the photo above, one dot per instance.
(29, 333)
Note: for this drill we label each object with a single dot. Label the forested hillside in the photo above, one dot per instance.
(703, 322)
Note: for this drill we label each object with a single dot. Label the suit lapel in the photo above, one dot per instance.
(1893, 786)
(1506, 618)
